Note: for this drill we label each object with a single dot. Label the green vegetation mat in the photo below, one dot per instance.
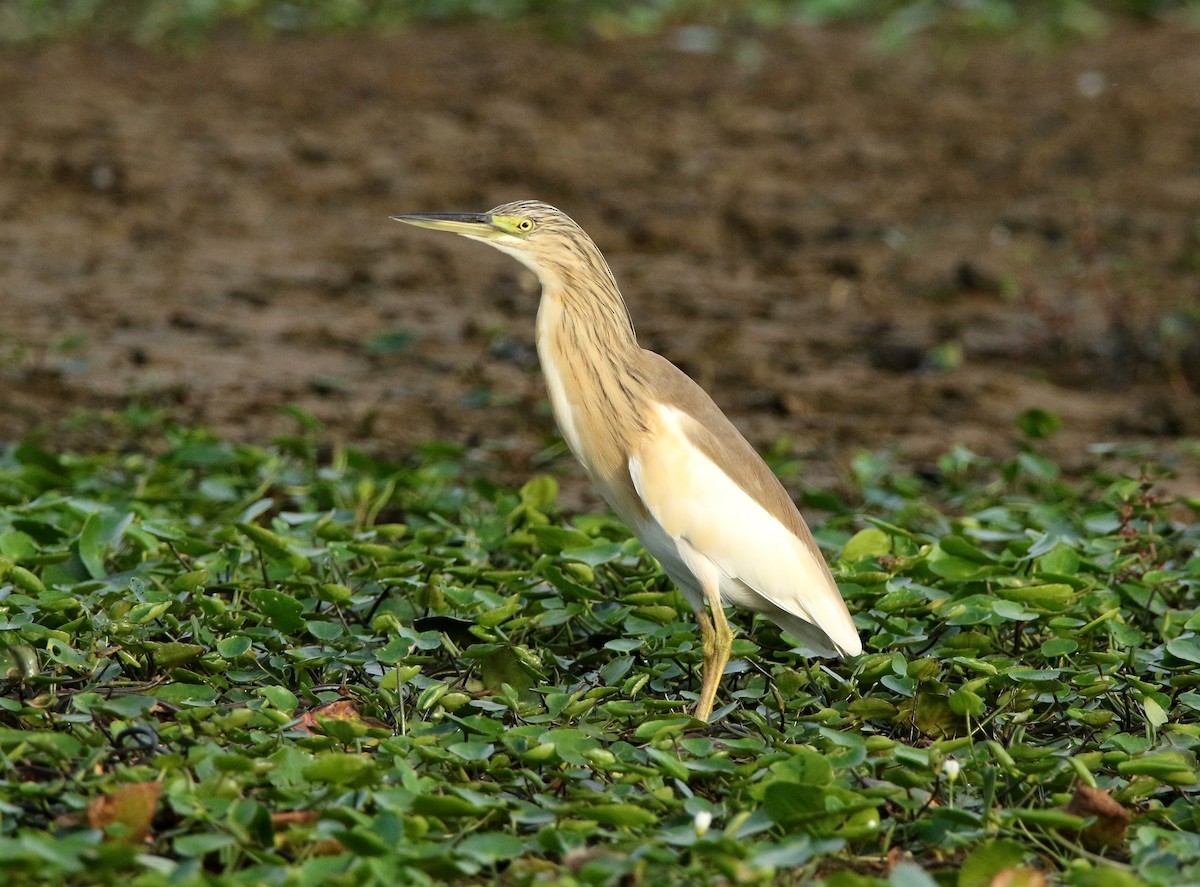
(230, 664)
(157, 21)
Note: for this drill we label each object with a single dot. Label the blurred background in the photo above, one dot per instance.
(860, 225)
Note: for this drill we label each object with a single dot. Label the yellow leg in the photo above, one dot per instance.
(717, 640)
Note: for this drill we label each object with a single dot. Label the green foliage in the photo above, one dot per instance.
(349, 672)
(189, 20)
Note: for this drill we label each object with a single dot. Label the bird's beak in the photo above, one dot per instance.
(476, 225)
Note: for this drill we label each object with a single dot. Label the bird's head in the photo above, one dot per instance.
(539, 236)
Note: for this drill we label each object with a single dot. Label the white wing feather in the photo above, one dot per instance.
(763, 565)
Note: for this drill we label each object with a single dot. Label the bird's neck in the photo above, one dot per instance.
(589, 356)
(596, 307)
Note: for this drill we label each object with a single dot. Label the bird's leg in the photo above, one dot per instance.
(708, 642)
(717, 638)
(708, 635)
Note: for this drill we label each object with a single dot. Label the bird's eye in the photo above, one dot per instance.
(525, 225)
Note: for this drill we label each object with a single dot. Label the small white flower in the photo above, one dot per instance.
(951, 767)
(702, 821)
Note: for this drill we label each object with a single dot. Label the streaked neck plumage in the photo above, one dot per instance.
(590, 358)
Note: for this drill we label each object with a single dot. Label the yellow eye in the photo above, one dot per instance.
(525, 225)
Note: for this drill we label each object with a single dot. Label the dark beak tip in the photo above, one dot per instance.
(466, 218)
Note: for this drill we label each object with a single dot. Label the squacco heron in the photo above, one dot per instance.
(660, 451)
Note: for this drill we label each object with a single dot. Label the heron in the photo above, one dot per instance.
(660, 451)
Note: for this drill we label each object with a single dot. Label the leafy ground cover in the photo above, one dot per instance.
(152, 21)
(234, 664)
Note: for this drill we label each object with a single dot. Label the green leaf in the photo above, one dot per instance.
(553, 540)
(280, 697)
(789, 854)
(957, 546)
(91, 545)
(1060, 561)
(619, 815)
(595, 554)
(1059, 647)
(985, 862)
(1156, 716)
(1038, 424)
(966, 702)
(1186, 648)
(489, 848)
(126, 706)
(1169, 767)
(499, 615)
(196, 695)
(394, 651)
(1045, 819)
(1052, 596)
(540, 492)
(282, 610)
(868, 543)
(786, 801)
(17, 546)
(337, 768)
(950, 566)
(671, 766)
(274, 547)
(324, 631)
(201, 844)
(362, 842)
(571, 590)
(450, 806)
(59, 744)
(173, 654)
(472, 751)
(234, 647)
(571, 745)
(871, 708)
(1023, 675)
(1012, 611)
(906, 874)
(805, 767)
(656, 729)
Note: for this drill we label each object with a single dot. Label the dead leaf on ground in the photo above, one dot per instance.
(1112, 820)
(132, 806)
(290, 836)
(1019, 876)
(342, 710)
(577, 857)
(294, 817)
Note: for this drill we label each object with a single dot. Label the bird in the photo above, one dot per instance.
(660, 451)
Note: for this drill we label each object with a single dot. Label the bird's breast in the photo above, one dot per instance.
(561, 403)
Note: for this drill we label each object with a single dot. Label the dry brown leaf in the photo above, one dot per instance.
(298, 840)
(294, 817)
(323, 847)
(1019, 876)
(132, 806)
(577, 857)
(342, 710)
(1112, 820)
